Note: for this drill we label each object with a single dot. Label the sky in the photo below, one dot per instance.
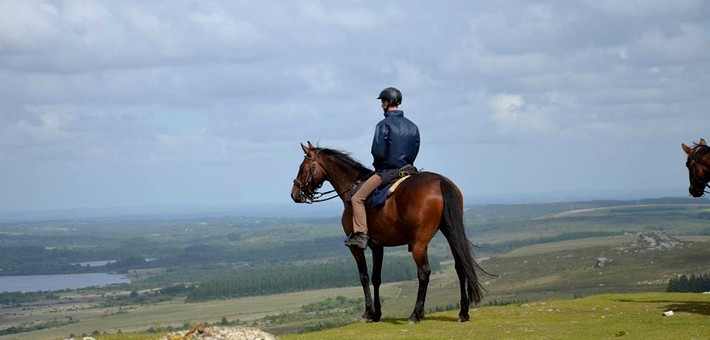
(205, 103)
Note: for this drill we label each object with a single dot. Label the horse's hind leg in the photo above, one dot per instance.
(359, 256)
(377, 255)
(419, 253)
(463, 313)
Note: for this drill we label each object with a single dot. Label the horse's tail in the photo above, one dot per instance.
(452, 227)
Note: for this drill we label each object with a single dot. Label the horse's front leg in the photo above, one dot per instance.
(359, 255)
(377, 255)
(419, 253)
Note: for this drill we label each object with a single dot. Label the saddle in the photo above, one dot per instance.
(391, 179)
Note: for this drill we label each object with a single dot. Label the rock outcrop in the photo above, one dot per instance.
(223, 333)
(601, 261)
(652, 241)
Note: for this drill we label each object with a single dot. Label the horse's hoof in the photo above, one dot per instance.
(370, 317)
(463, 318)
(414, 319)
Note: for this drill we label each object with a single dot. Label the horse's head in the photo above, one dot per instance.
(698, 164)
(310, 176)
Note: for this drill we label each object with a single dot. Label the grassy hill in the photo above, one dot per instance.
(634, 316)
(532, 276)
(567, 269)
(674, 218)
(553, 258)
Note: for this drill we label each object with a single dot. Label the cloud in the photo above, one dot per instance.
(512, 115)
(30, 26)
(412, 76)
(690, 43)
(192, 83)
(348, 18)
(320, 78)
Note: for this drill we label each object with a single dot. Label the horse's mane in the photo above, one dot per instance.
(344, 157)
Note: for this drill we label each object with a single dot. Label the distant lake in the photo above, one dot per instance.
(33, 283)
(95, 263)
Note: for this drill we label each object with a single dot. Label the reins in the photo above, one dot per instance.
(317, 195)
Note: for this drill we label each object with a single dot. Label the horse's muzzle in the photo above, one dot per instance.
(297, 195)
(695, 192)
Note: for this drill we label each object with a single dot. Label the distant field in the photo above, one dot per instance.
(140, 318)
(533, 273)
(541, 268)
(636, 316)
(677, 219)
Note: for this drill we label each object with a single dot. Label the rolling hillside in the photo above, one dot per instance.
(553, 256)
(633, 316)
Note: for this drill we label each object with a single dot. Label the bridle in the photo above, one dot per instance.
(694, 178)
(314, 196)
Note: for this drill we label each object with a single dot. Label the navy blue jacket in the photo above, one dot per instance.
(396, 142)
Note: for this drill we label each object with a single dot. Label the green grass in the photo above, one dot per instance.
(633, 316)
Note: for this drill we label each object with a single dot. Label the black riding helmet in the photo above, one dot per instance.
(391, 95)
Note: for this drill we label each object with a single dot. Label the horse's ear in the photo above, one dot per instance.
(305, 148)
(702, 141)
(686, 148)
(310, 145)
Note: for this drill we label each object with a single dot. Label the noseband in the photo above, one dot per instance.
(315, 195)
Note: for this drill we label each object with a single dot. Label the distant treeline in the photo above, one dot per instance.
(18, 298)
(29, 260)
(504, 247)
(33, 260)
(692, 284)
(316, 248)
(34, 327)
(291, 278)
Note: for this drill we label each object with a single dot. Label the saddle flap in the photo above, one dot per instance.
(394, 186)
(380, 195)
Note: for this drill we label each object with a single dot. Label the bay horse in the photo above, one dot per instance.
(421, 205)
(698, 164)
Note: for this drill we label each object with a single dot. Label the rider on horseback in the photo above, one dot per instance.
(395, 145)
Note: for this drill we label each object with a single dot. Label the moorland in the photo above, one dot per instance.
(291, 275)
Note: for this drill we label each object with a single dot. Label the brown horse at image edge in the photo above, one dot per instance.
(698, 164)
(421, 205)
